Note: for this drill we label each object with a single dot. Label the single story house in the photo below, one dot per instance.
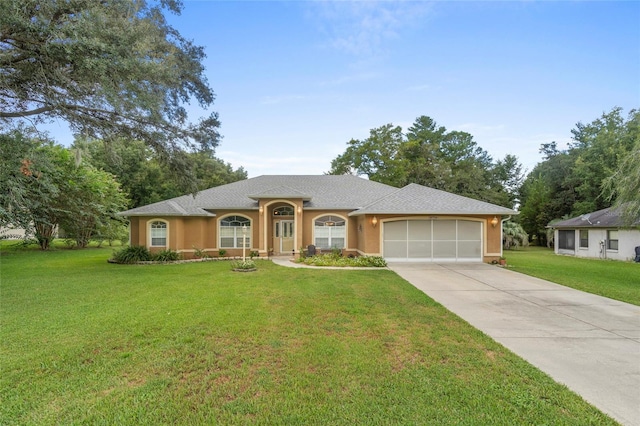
(600, 234)
(280, 215)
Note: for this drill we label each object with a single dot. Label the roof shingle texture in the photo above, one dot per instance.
(329, 192)
(418, 199)
(606, 218)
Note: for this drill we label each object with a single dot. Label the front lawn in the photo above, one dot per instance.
(609, 278)
(87, 342)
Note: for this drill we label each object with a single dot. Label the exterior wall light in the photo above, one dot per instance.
(494, 221)
(299, 210)
(374, 221)
(261, 209)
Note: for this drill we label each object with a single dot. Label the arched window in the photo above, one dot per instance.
(158, 233)
(283, 211)
(231, 228)
(329, 232)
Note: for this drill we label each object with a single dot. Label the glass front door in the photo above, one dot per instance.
(284, 230)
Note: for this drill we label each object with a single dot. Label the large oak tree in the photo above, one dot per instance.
(109, 68)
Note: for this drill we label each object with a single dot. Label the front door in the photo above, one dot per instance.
(285, 235)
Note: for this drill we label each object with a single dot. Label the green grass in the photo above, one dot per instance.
(614, 279)
(87, 342)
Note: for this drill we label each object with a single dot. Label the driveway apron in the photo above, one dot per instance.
(587, 342)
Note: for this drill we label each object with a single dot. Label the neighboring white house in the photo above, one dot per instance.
(599, 234)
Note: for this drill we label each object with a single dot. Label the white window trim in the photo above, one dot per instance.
(346, 227)
(249, 234)
(149, 236)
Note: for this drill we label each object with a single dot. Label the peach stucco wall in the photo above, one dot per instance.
(188, 233)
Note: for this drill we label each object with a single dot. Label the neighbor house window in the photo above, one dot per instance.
(567, 240)
(158, 231)
(584, 238)
(329, 232)
(231, 232)
(612, 240)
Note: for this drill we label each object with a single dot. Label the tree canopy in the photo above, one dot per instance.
(430, 155)
(142, 175)
(599, 166)
(113, 68)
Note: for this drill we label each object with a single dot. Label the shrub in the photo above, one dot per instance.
(331, 259)
(222, 252)
(253, 254)
(131, 254)
(243, 264)
(200, 253)
(166, 255)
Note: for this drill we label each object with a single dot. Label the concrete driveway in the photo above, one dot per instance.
(587, 342)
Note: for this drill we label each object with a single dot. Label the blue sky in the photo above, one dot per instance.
(296, 80)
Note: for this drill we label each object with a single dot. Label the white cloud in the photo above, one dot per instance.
(364, 27)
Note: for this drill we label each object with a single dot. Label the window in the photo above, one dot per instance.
(566, 240)
(612, 240)
(329, 232)
(283, 211)
(231, 232)
(584, 238)
(158, 233)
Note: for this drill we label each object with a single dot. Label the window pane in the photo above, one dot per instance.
(226, 242)
(566, 239)
(322, 243)
(584, 238)
(337, 242)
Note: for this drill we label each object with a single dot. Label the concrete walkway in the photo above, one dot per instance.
(587, 342)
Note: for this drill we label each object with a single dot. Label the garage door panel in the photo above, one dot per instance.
(419, 230)
(468, 230)
(444, 249)
(395, 230)
(419, 249)
(444, 230)
(469, 249)
(395, 249)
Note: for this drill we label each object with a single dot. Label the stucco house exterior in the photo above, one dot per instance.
(600, 234)
(282, 214)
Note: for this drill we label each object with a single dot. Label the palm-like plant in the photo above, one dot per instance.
(513, 236)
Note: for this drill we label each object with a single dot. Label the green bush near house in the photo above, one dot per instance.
(131, 254)
(166, 255)
(333, 259)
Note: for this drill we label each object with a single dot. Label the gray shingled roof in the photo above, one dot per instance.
(321, 192)
(418, 199)
(605, 218)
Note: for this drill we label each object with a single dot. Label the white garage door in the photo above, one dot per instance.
(433, 240)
